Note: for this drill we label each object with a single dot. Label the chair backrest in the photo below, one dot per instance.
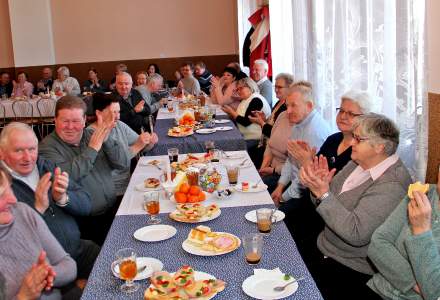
(46, 107)
(2, 115)
(433, 138)
(23, 110)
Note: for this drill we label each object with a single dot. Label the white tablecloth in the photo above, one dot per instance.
(9, 113)
(132, 202)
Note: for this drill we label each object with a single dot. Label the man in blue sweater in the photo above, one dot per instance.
(48, 190)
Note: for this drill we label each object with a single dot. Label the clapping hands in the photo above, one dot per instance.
(41, 276)
(316, 176)
(301, 151)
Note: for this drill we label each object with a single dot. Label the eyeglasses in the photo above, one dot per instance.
(347, 113)
(279, 87)
(359, 139)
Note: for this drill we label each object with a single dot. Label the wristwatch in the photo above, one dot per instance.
(322, 198)
(65, 202)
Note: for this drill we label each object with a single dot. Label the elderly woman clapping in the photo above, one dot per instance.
(353, 204)
(406, 249)
(250, 101)
(31, 259)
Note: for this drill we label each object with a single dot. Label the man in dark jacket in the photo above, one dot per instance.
(134, 110)
(48, 190)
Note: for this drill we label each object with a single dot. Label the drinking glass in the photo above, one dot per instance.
(152, 206)
(126, 259)
(209, 145)
(264, 220)
(232, 170)
(173, 155)
(170, 105)
(253, 248)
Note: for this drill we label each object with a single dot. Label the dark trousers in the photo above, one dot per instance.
(338, 282)
(256, 153)
(271, 181)
(95, 228)
(85, 260)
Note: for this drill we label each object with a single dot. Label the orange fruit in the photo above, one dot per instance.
(193, 198)
(180, 197)
(201, 196)
(184, 188)
(194, 190)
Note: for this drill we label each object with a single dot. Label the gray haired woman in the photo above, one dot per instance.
(64, 84)
(250, 100)
(353, 204)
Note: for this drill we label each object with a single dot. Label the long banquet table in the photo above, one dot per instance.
(225, 140)
(279, 248)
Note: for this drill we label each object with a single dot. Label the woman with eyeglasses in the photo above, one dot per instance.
(352, 205)
(250, 100)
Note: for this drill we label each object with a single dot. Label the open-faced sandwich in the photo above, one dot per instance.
(151, 183)
(419, 187)
(179, 131)
(193, 212)
(217, 242)
(182, 285)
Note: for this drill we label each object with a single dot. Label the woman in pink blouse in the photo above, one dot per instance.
(22, 87)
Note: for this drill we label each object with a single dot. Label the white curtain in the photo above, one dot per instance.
(373, 45)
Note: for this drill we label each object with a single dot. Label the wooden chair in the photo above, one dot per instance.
(433, 138)
(24, 112)
(46, 110)
(2, 116)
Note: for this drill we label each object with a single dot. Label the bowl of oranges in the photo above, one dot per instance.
(188, 194)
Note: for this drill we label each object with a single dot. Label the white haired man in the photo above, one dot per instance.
(259, 75)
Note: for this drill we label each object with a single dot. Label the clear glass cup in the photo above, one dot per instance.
(233, 171)
(173, 155)
(253, 248)
(170, 105)
(152, 207)
(126, 260)
(264, 220)
(209, 145)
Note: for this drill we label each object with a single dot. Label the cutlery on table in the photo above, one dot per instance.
(254, 186)
(283, 287)
(141, 269)
(226, 154)
(243, 162)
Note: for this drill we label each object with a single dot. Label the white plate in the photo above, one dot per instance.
(153, 265)
(252, 216)
(201, 220)
(206, 130)
(261, 287)
(154, 233)
(222, 121)
(147, 163)
(260, 188)
(198, 275)
(141, 188)
(224, 128)
(188, 247)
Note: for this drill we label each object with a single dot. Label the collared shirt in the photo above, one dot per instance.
(262, 80)
(359, 175)
(314, 130)
(31, 180)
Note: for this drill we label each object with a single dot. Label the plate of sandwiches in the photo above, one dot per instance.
(184, 284)
(195, 212)
(180, 131)
(149, 184)
(204, 242)
(151, 162)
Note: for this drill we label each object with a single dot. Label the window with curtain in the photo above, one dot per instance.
(372, 45)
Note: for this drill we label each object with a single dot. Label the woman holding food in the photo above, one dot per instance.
(405, 249)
